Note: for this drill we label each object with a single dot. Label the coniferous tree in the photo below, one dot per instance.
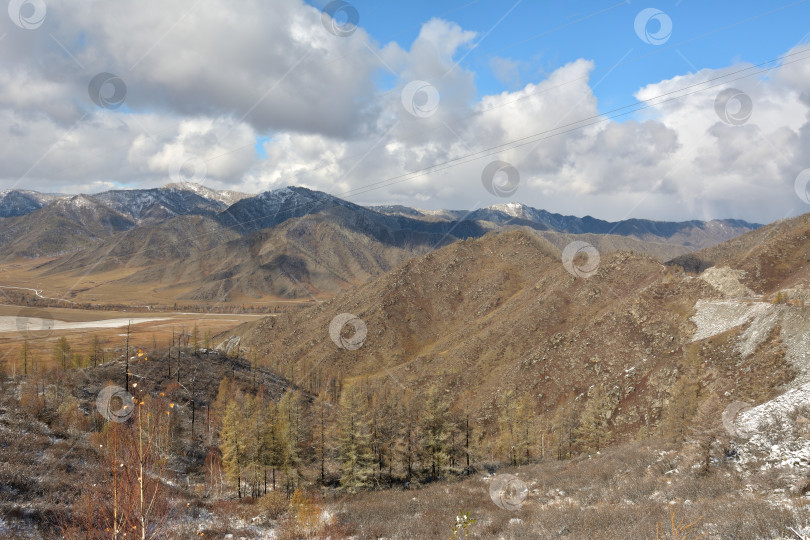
(274, 441)
(253, 412)
(680, 410)
(593, 433)
(564, 427)
(294, 422)
(387, 430)
(435, 430)
(95, 351)
(323, 419)
(506, 437)
(408, 437)
(24, 354)
(232, 444)
(354, 444)
(707, 436)
(224, 395)
(61, 352)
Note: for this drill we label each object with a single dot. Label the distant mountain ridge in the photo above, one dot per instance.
(188, 242)
(248, 213)
(693, 234)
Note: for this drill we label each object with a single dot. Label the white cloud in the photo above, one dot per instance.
(207, 78)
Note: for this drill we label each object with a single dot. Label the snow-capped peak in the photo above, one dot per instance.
(227, 197)
(79, 201)
(514, 209)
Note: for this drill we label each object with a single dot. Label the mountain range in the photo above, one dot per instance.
(188, 242)
(501, 313)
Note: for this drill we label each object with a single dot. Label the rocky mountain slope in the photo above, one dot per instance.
(64, 226)
(482, 317)
(147, 206)
(18, 202)
(772, 258)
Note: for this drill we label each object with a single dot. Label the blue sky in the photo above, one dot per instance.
(541, 36)
(254, 95)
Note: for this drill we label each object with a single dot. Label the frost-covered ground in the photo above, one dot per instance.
(775, 433)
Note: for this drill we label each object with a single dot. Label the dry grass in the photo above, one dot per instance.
(625, 493)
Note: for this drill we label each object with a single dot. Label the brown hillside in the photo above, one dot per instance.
(482, 317)
(773, 257)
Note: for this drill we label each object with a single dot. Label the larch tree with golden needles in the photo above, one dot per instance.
(232, 444)
(435, 431)
(514, 427)
(593, 432)
(61, 352)
(681, 408)
(275, 444)
(354, 441)
(294, 421)
(564, 427)
(707, 436)
(25, 353)
(408, 437)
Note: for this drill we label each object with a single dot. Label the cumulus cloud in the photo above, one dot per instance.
(206, 79)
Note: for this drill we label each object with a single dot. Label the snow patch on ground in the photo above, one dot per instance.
(777, 431)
